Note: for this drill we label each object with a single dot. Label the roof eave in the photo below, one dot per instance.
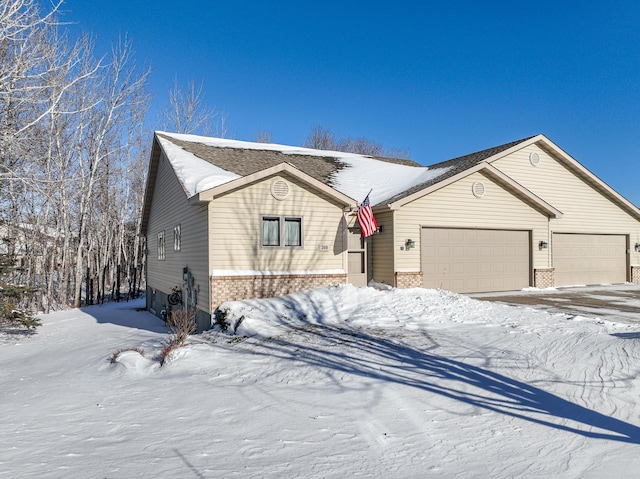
(527, 195)
(516, 147)
(590, 177)
(496, 175)
(152, 173)
(210, 194)
(436, 186)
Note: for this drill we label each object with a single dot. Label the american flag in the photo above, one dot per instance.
(367, 222)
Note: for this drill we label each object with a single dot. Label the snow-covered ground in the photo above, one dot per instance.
(333, 382)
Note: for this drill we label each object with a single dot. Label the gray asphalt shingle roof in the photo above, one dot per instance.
(246, 161)
(455, 166)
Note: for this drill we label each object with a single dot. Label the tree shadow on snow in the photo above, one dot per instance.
(633, 335)
(476, 386)
(130, 314)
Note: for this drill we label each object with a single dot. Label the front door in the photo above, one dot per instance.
(357, 258)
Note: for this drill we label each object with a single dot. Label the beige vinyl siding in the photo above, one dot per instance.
(381, 250)
(455, 206)
(169, 208)
(235, 225)
(585, 210)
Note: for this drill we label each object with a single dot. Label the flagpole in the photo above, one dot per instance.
(368, 193)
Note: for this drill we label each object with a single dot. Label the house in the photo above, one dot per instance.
(227, 219)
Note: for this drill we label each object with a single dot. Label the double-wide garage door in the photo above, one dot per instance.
(589, 259)
(475, 260)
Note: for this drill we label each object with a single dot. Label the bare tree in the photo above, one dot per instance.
(119, 89)
(72, 143)
(362, 146)
(264, 136)
(322, 138)
(187, 112)
(24, 59)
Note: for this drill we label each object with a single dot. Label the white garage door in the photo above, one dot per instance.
(589, 259)
(473, 260)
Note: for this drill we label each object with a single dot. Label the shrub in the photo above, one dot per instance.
(116, 354)
(181, 325)
(14, 300)
(221, 319)
(167, 350)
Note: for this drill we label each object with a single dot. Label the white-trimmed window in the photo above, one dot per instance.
(161, 250)
(177, 239)
(279, 231)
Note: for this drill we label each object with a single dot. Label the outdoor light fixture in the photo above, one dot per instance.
(543, 245)
(638, 247)
(410, 244)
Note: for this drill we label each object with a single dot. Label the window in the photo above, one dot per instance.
(277, 228)
(161, 255)
(177, 241)
(293, 231)
(270, 231)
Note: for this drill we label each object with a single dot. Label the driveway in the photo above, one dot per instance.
(619, 303)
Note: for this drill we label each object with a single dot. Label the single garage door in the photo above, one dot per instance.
(475, 260)
(589, 259)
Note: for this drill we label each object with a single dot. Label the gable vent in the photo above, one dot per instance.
(478, 189)
(280, 189)
(534, 158)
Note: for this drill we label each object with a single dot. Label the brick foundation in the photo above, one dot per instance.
(409, 280)
(231, 288)
(635, 274)
(543, 278)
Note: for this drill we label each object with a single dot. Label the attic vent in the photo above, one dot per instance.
(478, 189)
(534, 158)
(280, 189)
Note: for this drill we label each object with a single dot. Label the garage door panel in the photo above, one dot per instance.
(457, 268)
(589, 259)
(474, 260)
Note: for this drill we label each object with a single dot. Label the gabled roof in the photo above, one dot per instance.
(244, 161)
(582, 172)
(211, 193)
(494, 174)
(456, 166)
(203, 165)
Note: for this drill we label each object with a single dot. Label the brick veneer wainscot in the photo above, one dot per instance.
(409, 280)
(232, 288)
(544, 278)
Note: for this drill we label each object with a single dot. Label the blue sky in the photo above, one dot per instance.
(441, 79)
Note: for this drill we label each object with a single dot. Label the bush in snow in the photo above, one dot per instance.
(221, 319)
(14, 300)
(116, 354)
(181, 324)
